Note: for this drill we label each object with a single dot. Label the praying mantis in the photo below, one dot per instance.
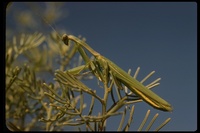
(103, 68)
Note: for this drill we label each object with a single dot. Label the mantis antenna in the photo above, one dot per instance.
(43, 18)
(64, 38)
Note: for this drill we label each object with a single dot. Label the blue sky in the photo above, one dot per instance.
(160, 36)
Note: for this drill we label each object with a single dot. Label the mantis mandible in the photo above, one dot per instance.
(104, 64)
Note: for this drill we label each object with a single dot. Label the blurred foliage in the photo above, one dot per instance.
(35, 102)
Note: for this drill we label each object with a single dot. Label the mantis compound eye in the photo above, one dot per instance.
(65, 39)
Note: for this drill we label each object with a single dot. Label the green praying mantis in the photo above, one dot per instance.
(103, 68)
